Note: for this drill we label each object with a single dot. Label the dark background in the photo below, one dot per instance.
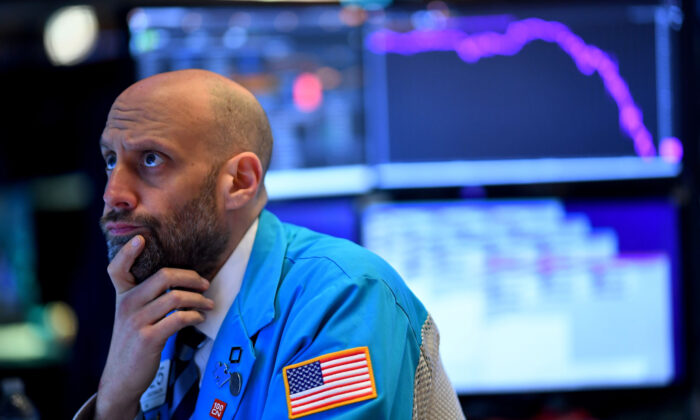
(51, 119)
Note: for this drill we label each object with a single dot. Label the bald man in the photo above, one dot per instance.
(224, 312)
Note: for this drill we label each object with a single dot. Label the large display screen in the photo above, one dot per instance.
(531, 95)
(426, 96)
(540, 295)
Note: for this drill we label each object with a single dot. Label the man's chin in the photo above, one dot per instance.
(118, 241)
(147, 263)
(141, 271)
(115, 243)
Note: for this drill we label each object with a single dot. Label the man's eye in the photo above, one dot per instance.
(152, 159)
(110, 162)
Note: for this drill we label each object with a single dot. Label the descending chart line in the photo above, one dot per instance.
(588, 59)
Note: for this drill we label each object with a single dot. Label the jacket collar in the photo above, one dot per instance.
(256, 300)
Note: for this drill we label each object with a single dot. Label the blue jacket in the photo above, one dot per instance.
(305, 295)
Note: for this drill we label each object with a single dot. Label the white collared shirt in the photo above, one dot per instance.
(223, 290)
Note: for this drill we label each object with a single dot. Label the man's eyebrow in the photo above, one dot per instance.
(139, 145)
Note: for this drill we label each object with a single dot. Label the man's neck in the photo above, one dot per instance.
(238, 226)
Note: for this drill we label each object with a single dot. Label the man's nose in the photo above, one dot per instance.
(119, 192)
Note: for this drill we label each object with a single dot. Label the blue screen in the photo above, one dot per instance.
(540, 294)
(332, 216)
(17, 254)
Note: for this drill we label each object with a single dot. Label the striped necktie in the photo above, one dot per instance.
(185, 387)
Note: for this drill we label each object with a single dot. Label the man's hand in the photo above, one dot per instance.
(142, 326)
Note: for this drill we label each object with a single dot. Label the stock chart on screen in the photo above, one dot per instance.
(535, 95)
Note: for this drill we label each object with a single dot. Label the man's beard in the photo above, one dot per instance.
(190, 238)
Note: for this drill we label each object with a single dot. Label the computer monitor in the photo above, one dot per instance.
(460, 94)
(302, 62)
(523, 95)
(541, 295)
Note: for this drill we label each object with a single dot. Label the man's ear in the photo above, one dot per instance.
(243, 175)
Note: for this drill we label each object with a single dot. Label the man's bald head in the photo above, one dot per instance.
(240, 120)
(230, 119)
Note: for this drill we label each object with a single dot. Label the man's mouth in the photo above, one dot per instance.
(120, 228)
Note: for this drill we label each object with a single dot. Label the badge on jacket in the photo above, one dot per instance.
(156, 392)
(329, 381)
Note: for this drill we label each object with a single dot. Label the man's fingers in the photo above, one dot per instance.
(175, 299)
(169, 278)
(119, 268)
(176, 321)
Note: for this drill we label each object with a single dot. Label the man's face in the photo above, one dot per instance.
(191, 237)
(161, 185)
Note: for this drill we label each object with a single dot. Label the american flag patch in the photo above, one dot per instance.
(329, 381)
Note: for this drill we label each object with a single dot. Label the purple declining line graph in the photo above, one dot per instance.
(588, 59)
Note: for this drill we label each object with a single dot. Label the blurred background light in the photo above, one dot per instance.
(191, 22)
(286, 21)
(367, 4)
(235, 37)
(353, 15)
(330, 78)
(671, 150)
(308, 92)
(70, 35)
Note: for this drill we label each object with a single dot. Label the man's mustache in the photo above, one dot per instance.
(149, 222)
